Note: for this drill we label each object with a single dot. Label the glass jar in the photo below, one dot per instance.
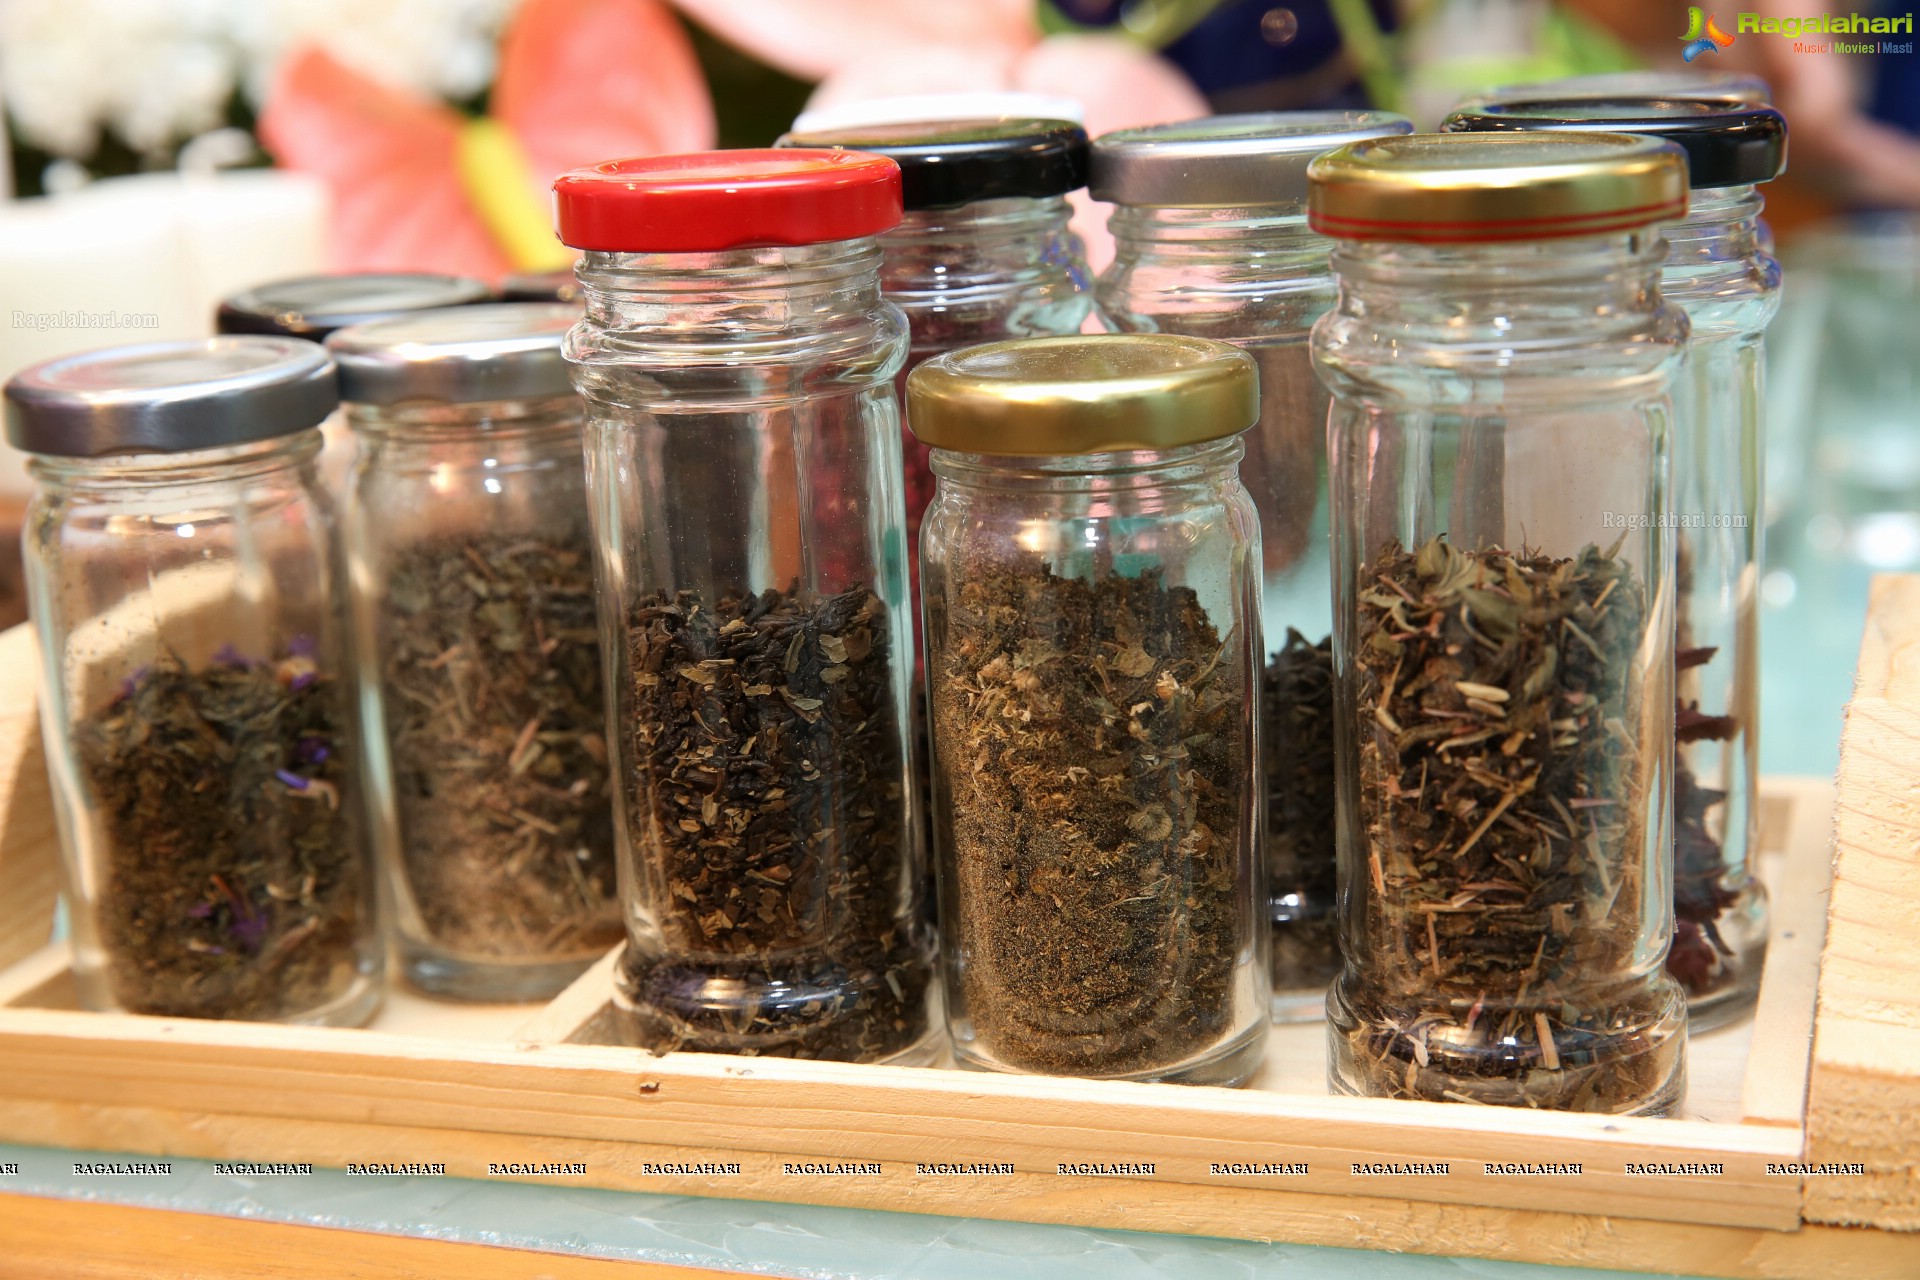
(983, 251)
(1503, 626)
(1093, 644)
(1211, 239)
(197, 699)
(1729, 287)
(743, 473)
(312, 307)
(479, 647)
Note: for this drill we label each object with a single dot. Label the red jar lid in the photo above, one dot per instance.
(712, 200)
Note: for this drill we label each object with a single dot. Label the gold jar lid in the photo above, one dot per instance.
(1455, 188)
(1096, 393)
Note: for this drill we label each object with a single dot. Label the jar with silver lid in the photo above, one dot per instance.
(197, 699)
(479, 644)
(1211, 240)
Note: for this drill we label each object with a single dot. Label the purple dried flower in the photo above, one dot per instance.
(303, 646)
(293, 780)
(250, 929)
(228, 656)
(200, 910)
(312, 750)
(302, 681)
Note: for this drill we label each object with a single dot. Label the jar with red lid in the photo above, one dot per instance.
(743, 469)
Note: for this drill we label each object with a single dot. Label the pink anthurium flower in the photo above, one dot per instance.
(419, 187)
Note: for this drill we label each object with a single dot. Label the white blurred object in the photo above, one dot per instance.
(989, 104)
(144, 259)
(234, 229)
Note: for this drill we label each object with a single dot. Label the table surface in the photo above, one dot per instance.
(1810, 634)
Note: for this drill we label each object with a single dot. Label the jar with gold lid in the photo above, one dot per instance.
(1500, 357)
(1090, 572)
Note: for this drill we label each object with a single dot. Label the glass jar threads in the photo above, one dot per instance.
(1092, 608)
(1211, 239)
(743, 471)
(1499, 359)
(1717, 272)
(480, 648)
(982, 251)
(197, 703)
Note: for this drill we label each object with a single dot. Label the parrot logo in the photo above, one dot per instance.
(1703, 34)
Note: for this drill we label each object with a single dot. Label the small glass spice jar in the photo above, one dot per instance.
(479, 643)
(1211, 239)
(197, 701)
(1500, 360)
(743, 471)
(1092, 599)
(1729, 286)
(983, 251)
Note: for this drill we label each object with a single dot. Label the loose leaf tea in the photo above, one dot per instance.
(1297, 727)
(1700, 893)
(1090, 736)
(234, 880)
(1501, 800)
(770, 830)
(490, 671)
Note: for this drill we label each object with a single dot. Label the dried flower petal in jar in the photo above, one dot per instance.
(1499, 359)
(1729, 286)
(187, 589)
(1092, 620)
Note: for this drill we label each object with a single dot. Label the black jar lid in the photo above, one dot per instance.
(312, 307)
(945, 163)
(1727, 145)
(457, 355)
(543, 286)
(170, 397)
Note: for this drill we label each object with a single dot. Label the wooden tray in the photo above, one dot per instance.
(1828, 1071)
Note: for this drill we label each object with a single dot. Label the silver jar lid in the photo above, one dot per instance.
(170, 397)
(1227, 161)
(459, 355)
(312, 307)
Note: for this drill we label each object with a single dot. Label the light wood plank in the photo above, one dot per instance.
(1864, 1093)
(30, 874)
(84, 1240)
(1798, 816)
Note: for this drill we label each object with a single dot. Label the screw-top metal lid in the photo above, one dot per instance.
(1441, 188)
(312, 307)
(170, 397)
(977, 104)
(1674, 82)
(1726, 145)
(1097, 393)
(1224, 162)
(944, 163)
(459, 355)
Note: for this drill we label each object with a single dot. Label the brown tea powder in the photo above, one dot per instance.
(1091, 743)
(770, 831)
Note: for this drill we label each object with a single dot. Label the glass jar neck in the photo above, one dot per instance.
(1506, 297)
(135, 472)
(1272, 239)
(771, 289)
(1716, 268)
(439, 422)
(988, 247)
(1200, 464)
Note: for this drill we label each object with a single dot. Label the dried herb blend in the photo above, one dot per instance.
(1090, 736)
(1298, 742)
(767, 818)
(490, 671)
(1502, 807)
(235, 886)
